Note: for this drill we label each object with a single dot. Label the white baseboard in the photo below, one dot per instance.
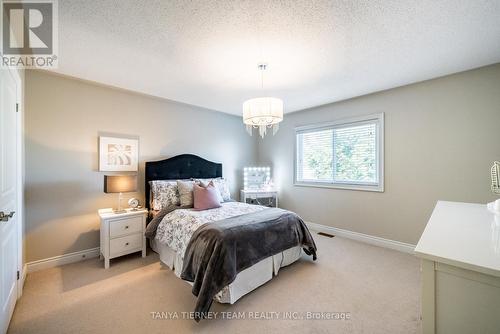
(62, 259)
(369, 239)
(94, 252)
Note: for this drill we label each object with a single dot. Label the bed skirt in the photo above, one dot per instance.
(246, 281)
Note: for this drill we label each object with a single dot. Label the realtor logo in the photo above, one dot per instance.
(29, 34)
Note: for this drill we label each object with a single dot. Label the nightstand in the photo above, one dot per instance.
(122, 233)
(261, 197)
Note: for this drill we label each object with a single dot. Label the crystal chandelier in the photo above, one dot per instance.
(262, 112)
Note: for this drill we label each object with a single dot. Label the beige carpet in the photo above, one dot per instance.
(379, 288)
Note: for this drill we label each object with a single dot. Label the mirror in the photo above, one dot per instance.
(256, 178)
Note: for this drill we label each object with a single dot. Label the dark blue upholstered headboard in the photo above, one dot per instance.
(184, 166)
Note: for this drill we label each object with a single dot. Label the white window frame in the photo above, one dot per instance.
(353, 121)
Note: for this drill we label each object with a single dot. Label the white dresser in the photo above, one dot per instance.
(122, 233)
(460, 252)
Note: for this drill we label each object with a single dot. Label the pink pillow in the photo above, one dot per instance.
(205, 197)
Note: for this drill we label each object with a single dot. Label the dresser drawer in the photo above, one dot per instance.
(124, 244)
(121, 227)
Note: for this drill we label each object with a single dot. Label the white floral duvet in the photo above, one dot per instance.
(178, 226)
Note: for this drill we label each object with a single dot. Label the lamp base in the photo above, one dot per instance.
(119, 210)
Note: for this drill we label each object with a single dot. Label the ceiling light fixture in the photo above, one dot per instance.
(262, 112)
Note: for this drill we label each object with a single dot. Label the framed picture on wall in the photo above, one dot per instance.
(118, 154)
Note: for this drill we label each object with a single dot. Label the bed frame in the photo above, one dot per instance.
(187, 166)
(180, 167)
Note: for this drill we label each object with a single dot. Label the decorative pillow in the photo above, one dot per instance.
(163, 194)
(205, 182)
(185, 192)
(221, 184)
(205, 197)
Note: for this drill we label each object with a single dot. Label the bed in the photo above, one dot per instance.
(185, 167)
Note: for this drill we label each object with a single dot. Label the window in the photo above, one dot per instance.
(344, 154)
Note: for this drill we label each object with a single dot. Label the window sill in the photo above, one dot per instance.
(358, 187)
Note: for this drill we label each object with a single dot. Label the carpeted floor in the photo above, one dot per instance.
(377, 288)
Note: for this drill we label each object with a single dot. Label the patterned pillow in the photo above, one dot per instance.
(163, 194)
(221, 184)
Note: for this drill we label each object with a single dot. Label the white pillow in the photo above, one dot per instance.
(223, 186)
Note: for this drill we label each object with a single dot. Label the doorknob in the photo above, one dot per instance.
(5, 217)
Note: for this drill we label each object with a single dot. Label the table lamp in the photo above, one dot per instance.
(120, 184)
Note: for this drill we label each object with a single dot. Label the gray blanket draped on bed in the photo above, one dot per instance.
(217, 252)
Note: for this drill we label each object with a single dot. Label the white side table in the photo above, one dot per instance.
(122, 233)
(260, 197)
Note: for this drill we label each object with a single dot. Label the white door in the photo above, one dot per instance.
(8, 197)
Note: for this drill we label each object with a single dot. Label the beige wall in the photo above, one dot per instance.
(64, 116)
(441, 137)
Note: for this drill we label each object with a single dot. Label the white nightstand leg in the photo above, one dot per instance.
(100, 256)
(106, 263)
(143, 247)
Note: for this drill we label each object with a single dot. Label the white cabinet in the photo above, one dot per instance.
(122, 233)
(460, 252)
(260, 197)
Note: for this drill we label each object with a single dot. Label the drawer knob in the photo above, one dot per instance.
(126, 244)
(126, 227)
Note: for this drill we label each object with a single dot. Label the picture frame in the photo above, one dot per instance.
(118, 154)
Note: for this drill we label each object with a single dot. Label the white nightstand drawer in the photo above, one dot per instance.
(124, 244)
(118, 228)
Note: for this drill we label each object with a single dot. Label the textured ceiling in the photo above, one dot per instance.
(205, 53)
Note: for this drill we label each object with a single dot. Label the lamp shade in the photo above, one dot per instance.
(120, 183)
(262, 111)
